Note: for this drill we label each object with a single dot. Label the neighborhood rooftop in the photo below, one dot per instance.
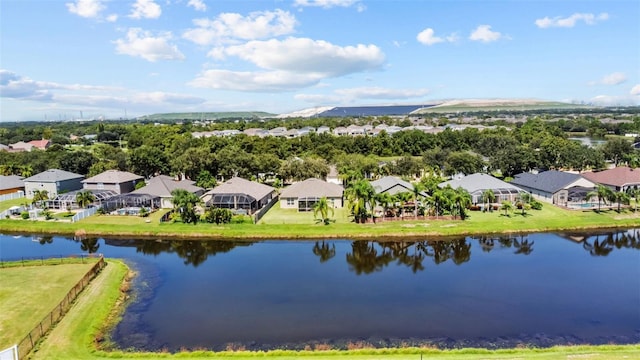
(113, 177)
(239, 185)
(53, 175)
(550, 181)
(312, 188)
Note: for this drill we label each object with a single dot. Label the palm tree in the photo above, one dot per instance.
(461, 199)
(84, 198)
(322, 207)
(385, 200)
(418, 188)
(603, 194)
(622, 198)
(507, 206)
(403, 198)
(635, 193)
(184, 203)
(488, 197)
(525, 202)
(359, 196)
(39, 196)
(438, 202)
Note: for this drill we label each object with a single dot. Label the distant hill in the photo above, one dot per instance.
(196, 116)
(471, 105)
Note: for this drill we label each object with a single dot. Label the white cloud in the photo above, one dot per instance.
(139, 43)
(427, 37)
(114, 99)
(112, 18)
(86, 8)
(145, 9)
(484, 34)
(289, 64)
(303, 55)
(589, 19)
(635, 90)
(615, 78)
(232, 26)
(260, 81)
(327, 4)
(199, 5)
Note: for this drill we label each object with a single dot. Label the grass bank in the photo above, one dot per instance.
(303, 226)
(28, 293)
(74, 338)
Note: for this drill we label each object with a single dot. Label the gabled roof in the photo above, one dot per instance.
(40, 144)
(312, 188)
(21, 145)
(11, 182)
(163, 186)
(53, 175)
(239, 185)
(549, 181)
(113, 177)
(479, 181)
(620, 176)
(387, 182)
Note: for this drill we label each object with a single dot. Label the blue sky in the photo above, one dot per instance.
(115, 57)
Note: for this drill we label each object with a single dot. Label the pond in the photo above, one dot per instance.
(490, 291)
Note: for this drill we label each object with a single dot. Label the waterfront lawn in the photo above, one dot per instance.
(291, 224)
(74, 337)
(277, 215)
(28, 294)
(5, 205)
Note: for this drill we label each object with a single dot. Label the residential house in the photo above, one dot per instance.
(279, 131)
(4, 147)
(11, 184)
(20, 146)
(621, 178)
(556, 187)
(304, 195)
(476, 184)
(120, 182)
(54, 181)
(162, 186)
(333, 177)
(239, 194)
(323, 129)
(40, 144)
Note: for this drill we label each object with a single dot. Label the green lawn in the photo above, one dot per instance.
(284, 224)
(277, 215)
(4, 205)
(29, 293)
(74, 338)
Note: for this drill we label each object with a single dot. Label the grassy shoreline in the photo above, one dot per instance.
(549, 219)
(76, 334)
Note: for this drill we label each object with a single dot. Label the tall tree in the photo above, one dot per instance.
(488, 198)
(323, 208)
(461, 200)
(360, 198)
(603, 193)
(184, 204)
(85, 198)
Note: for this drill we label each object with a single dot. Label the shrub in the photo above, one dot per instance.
(536, 205)
(241, 219)
(24, 215)
(218, 216)
(144, 212)
(474, 207)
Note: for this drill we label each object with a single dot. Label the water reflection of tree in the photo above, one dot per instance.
(45, 239)
(324, 251)
(194, 252)
(367, 257)
(523, 246)
(89, 245)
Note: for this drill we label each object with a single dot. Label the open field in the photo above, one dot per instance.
(74, 336)
(29, 293)
(291, 216)
(303, 226)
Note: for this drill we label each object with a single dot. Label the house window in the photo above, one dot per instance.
(290, 202)
(100, 186)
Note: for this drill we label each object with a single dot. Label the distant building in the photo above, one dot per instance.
(11, 184)
(240, 195)
(621, 178)
(477, 184)
(162, 186)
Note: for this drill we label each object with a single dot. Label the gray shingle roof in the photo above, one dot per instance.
(478, 181)
(388, 182)
(11, 182)
(549, 181)
(239, 185)
(312, 188)
(113, 177)
(163, 186)
(53, 175)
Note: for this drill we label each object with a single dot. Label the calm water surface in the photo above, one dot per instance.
(540, 289)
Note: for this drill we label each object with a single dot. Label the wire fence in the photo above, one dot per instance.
(29, 342)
